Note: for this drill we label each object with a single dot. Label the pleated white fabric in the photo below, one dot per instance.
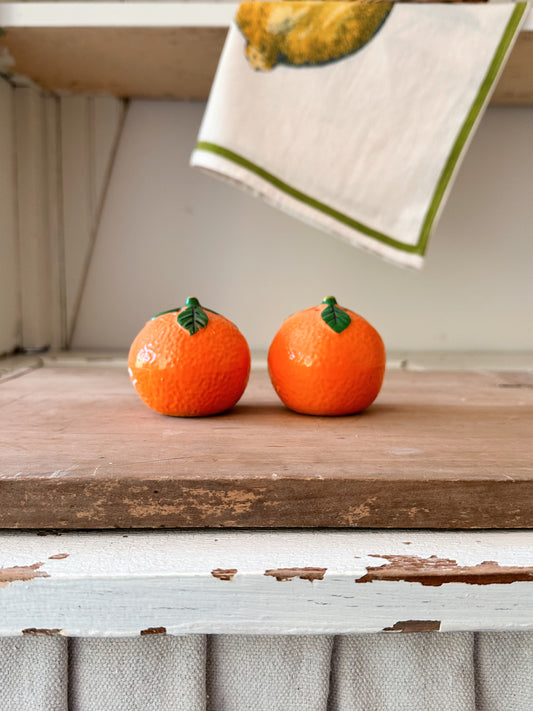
(268, 672)
(33, 673)
(504, 671)
(437, 671)
(414, 672)
(151, 673)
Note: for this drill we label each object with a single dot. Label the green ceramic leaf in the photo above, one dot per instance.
(2, 32)
(334, 316)
(193, 317)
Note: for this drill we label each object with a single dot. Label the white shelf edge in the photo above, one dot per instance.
(116, 14)
(124, 584)
(128, 14)
(515, 361)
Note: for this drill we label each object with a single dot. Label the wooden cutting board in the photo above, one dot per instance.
(79, 450)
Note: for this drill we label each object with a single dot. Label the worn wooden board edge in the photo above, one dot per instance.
(126, 62)
(127, 584)
(260, 501)
(168, 62)
(515, 85)
(263, 502)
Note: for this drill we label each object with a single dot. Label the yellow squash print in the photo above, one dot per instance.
(307, 33)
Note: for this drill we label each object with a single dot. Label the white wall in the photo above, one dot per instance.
(9, 287)
(168, 231)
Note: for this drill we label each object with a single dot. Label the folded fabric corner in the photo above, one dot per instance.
(354, 116)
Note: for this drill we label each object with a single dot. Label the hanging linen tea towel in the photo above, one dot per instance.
(354, 116)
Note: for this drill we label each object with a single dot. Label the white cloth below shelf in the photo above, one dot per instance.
(454, 671)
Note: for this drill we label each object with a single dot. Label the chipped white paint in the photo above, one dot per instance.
(119, 583)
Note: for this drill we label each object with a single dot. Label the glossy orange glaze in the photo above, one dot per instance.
(317, 371)
(176, 373)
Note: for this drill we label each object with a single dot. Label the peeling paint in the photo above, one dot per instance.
(353, 515)
(284, 574)
(153, 630)
(224, 573)
(58, 556)
(21, 572)
(237, 502)
(34, 630)
(414, 626)
(436, 571)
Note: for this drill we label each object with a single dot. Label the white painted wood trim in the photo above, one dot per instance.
(90, 130)
(33, 217)
(122, 583)
(117, 14)
(105, 116)
(54, 193)
(120, 14)
(9, 263)
(407, 360)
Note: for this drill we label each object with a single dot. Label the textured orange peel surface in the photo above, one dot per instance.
(176, 373)
(318, 371)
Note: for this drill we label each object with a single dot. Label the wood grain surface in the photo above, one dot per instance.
(79, 450)
(162, 63)
(168, 62)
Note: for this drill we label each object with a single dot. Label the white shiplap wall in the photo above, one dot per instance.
(55, 161)
(9, 294)
(89, 130)
(168, 231)
(34, 209)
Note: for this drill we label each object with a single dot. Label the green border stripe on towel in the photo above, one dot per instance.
(446, 174)
(302, 197)
(470, 120)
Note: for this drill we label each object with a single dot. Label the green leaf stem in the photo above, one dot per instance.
(193, 318)
(334, 316)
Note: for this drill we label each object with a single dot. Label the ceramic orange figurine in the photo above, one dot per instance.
(189, 362)
(327, 360)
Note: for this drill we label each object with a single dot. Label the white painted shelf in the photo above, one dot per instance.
(117, 14)
(127, 14)
(264, 582)
(154, 50)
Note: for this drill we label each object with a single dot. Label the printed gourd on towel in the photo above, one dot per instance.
(307, 33)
